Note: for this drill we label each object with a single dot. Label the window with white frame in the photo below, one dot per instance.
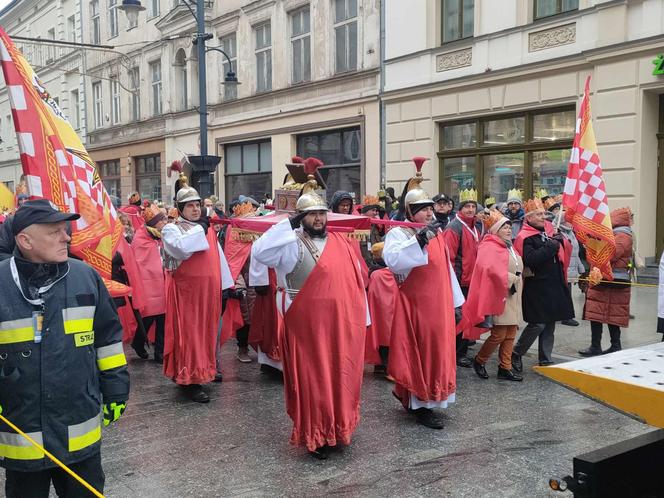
(155, 79)
(112, 18)
(301, 45)
(71, 28)
(263, 57)
(50, 49)
(345, 35)
(229, 45)
(74, 110)
(95, 26)
(116, 115)
(135, 87)
(97, 98)
(153, 8)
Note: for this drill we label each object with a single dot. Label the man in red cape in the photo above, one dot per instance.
(423, 343)
(147, 247)
(134, 210)
(321, 296)
(197, 272)
(266, 322)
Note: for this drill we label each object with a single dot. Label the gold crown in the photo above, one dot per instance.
(489, 201)
(515, 193)
(243, 210)
(541, 193)
(468, 195)
(370, 200)
(551, 201)
(150, 212)
(533, 205)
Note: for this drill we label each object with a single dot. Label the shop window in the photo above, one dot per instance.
(493, 155)
(248, 170)
(548, 8)
(341, 152)
(110, 176)
(148, 176)
(458, 19)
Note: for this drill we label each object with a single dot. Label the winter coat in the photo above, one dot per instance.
(516, 219)
(513, 313)
(606, 303)
(546, 297)
(339, 196)
(462, 246)
(575, 267)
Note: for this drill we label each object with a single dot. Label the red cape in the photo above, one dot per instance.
(236, 253)
(564, 251)
(134, 215)
(266, 321)
(423, 342)
(382, 297)
(150, 270)
(133, 274)
(488, 284)
(322, 349)
(193, 301)
(128, 320)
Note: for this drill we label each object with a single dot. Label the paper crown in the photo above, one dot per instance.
(133, 197)
(541, 193)
(468, 195)
(150, 212)
(493, 216)
(533, 205)
(515, 193)
(489, 201)
(173, 213)
(370, 200)
(243, 209)
(552, 201)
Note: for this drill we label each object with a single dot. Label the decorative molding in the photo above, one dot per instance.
(454, 60)
(554, 37)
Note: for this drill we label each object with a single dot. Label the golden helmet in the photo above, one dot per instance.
(414, 194)
(187, 194)
(309, 200)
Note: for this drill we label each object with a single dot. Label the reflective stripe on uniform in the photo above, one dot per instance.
(84, 434)
(16, 447)
(79, 319)
(16, 331)
(111, 356)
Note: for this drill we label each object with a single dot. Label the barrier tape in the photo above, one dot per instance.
(53, 458)
(631, 284)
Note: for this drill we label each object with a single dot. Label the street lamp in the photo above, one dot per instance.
(204, 164)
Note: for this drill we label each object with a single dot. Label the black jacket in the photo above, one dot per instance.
(546, 297)
(6, 239)
(53, 389)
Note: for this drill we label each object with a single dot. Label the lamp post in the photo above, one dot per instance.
(204, 165)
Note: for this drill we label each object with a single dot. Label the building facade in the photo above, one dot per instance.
(61, 69)
(489, 91)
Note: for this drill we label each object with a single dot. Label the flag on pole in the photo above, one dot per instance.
(55, 163)
(584, 197)
(6, 198)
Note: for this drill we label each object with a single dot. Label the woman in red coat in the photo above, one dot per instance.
(609, 302)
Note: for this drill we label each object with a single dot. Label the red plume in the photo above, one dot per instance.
(419, 161)
(311, 164)
(297, 160)
(176, 166)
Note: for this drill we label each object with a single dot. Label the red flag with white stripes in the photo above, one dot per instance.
(55, 163)
(584, 198)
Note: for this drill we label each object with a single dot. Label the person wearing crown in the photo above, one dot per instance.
(422, 342)
(462, 237)
(514, 211)
(196, 274)
(494, 300)
(134, 210)
(546, 298)
(371, 206)
(148, 248)
(325, 314)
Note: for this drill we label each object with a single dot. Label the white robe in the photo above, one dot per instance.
(402, 253)
(660, 289)
(278, 248)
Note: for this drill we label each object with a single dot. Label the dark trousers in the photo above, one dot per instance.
(242, 336)
(596, 334)
(37, 484)
(461, 343)
(543, 331)
(160, 323)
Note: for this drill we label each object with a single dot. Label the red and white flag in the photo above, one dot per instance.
(584, 198)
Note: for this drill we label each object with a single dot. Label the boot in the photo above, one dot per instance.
(615, 341)
(504, 374)
(139, 347)
(464, 361)
(480, 370)
(195, 393)
(428, 418)
(595, 344)
(517, 364)
(320, 453)
(243, 355)
(159, 345)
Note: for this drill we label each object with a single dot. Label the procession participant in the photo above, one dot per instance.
(494, 300)
(442, 209)
(342, 202)
(370, 208)
(265, 319)
(323, 304)
(196, 273)
(608, 303)
(546, 298)
(61, 359)
(462, 238)
(381, 296)
(514, 211)
(148, 248)
(422, 349)
(134, 210)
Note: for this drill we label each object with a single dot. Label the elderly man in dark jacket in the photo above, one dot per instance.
(546, 297)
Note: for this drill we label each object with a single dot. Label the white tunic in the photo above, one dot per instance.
(278, 248)
(182, 245)
(402, 253)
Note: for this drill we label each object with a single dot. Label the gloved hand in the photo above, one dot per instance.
(296, 219)
(457, 315)
(204, 221)
(113, 411)
(237, 293)
(558, 236)
(425, 234)
(262, 290)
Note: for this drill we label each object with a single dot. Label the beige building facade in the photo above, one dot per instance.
(494, 105)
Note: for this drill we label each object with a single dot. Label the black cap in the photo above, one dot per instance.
(39, 211)
(440, 198)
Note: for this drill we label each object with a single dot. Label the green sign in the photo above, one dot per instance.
(659, 65)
